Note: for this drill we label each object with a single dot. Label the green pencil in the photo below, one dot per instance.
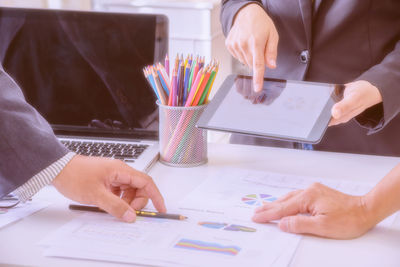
(208, 87)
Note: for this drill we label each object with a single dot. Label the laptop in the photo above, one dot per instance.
(83, 72)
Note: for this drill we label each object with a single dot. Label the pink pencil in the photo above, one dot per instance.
(193, 89)
(172, 96)
(166, 63)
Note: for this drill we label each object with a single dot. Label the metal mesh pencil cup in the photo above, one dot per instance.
(181, 143)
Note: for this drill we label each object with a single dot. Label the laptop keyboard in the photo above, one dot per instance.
(125, 152)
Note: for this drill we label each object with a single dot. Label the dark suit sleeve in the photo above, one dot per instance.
(229, 10)
(386, 77)
(27, 142)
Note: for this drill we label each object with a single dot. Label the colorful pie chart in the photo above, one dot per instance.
(258, 199)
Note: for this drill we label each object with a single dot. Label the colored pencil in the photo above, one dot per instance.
(203, 85)
(166, 64)
(190, 59)
(186, 82)
(172, 96)
(165, 75)
(212, 83)
(193, 66)
(208, 86)
(151, 81)
(197, 88)
(159, 89)
(163, 81)
(194, 88)
(181, 85)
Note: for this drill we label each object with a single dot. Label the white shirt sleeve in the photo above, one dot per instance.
(43, 178)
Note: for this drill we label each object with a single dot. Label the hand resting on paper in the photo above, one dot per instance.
(322, 211)
(109, 184)
(332, 213)
(357, 97)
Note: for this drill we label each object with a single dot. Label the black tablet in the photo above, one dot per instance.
(284, 110)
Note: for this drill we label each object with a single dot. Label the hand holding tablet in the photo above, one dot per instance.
(284, 110)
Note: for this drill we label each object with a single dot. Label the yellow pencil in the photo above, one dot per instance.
(198, 86)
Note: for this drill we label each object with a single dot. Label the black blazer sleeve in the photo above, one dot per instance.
(386, 77)
(229, 10)
(27, 142)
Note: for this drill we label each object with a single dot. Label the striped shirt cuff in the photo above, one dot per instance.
(43, 178)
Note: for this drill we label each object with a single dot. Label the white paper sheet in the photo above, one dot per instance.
(21, 211)
(235, 193)
(194, 242)
(219, 231)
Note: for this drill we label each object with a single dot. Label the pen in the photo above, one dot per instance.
(141, 213)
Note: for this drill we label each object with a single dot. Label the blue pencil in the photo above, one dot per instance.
(178, 81)
(186, 82)
(164, 85)
(150, 79)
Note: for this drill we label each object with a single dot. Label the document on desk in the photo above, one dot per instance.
(219, 231)
(198, 241)
(8, 216)
(235, 193)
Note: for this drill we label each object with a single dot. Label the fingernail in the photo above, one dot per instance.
(284, 225)
(272, 63)
(129, 216)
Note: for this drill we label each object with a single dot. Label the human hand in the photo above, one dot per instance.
(101, 181)
(357, 97)
(253, 40)
(245, 88)
(331, 213)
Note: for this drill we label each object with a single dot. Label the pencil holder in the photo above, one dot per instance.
(181, 143)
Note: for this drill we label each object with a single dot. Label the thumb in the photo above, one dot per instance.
(299, 224)
(345, 106)
(117, 207)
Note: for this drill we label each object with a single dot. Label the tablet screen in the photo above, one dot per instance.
(287, 109)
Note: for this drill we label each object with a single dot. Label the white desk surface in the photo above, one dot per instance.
(379, 247)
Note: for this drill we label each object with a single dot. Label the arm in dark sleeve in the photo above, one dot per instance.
(229, 10)
(386, 77)
(27, 142)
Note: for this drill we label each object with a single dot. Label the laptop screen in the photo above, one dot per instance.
(83, 70)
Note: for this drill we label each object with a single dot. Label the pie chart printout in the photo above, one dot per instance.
(258, 199)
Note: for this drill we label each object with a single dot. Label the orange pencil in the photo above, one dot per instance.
(202, 86)
(212, 83)
(193, 90)
(198, 86)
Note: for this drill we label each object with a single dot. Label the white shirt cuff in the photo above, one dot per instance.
(43, 178)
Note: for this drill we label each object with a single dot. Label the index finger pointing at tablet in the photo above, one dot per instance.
(258, 66)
